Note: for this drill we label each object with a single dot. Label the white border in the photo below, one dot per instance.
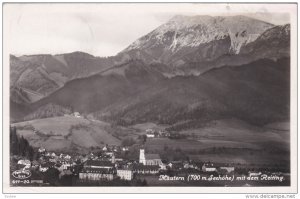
(291, 189)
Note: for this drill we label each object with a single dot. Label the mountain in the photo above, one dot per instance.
(206, 36)
(257, 93)
(44, 74)
(273, 44)
(132, 93)
(191, 69)
(98, 91)
(178, 44)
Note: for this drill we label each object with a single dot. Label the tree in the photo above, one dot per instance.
(20, 146)
(144, 138)
(52, 176)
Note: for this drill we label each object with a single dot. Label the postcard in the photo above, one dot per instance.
(150, 98)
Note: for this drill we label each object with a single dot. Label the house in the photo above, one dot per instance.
(175, 165)
(145, 169)
(76, 114)
(226, 169)
(161, 133)
(35, 164)
(67, 157)
(163, 166)
(96, 174)
(125, 174)
(26, 164)
(109, 153)
(150, 133)
(53, 154)
(116, 148)
(41, 150)
(104, 148)
(149, 159)
(118, 159)
(125, 148)
(208, 167)
(65, 165)
(44, 167)
(47, 154)
(188, 165)
(100, 164)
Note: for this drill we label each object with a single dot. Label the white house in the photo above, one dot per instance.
(125, 174)
(44, 167)
(125, 149)
(77, 114)
(67, 157)
(208, 167)
(25, 163)
(47, 154)
(163, 166)
(227, 169)
(150, 135)
(41, 150)
(65, 166)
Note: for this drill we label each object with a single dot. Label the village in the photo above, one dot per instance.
(109, 165)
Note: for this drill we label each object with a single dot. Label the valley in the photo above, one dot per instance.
(224, 141)
(195, 91)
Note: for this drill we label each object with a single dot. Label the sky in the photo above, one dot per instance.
(104, 29)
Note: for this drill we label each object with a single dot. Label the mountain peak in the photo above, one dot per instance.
(184, 34)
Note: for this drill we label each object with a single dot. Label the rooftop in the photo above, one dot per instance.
(98, 163)
(145, 167)
(97, 170)
(150, 156)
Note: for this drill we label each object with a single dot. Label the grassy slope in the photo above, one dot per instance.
(238, 143)
(66, 133)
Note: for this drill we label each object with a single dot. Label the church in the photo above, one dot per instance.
(149, 159)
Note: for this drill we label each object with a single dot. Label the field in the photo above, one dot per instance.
(67, 133)
(224, 141)
(230, 141)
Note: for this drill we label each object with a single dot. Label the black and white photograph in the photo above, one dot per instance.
(166, 96)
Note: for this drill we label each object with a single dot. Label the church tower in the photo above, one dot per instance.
(142, 156)
(113, 158)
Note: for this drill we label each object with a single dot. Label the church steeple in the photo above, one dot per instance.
(142, 156)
